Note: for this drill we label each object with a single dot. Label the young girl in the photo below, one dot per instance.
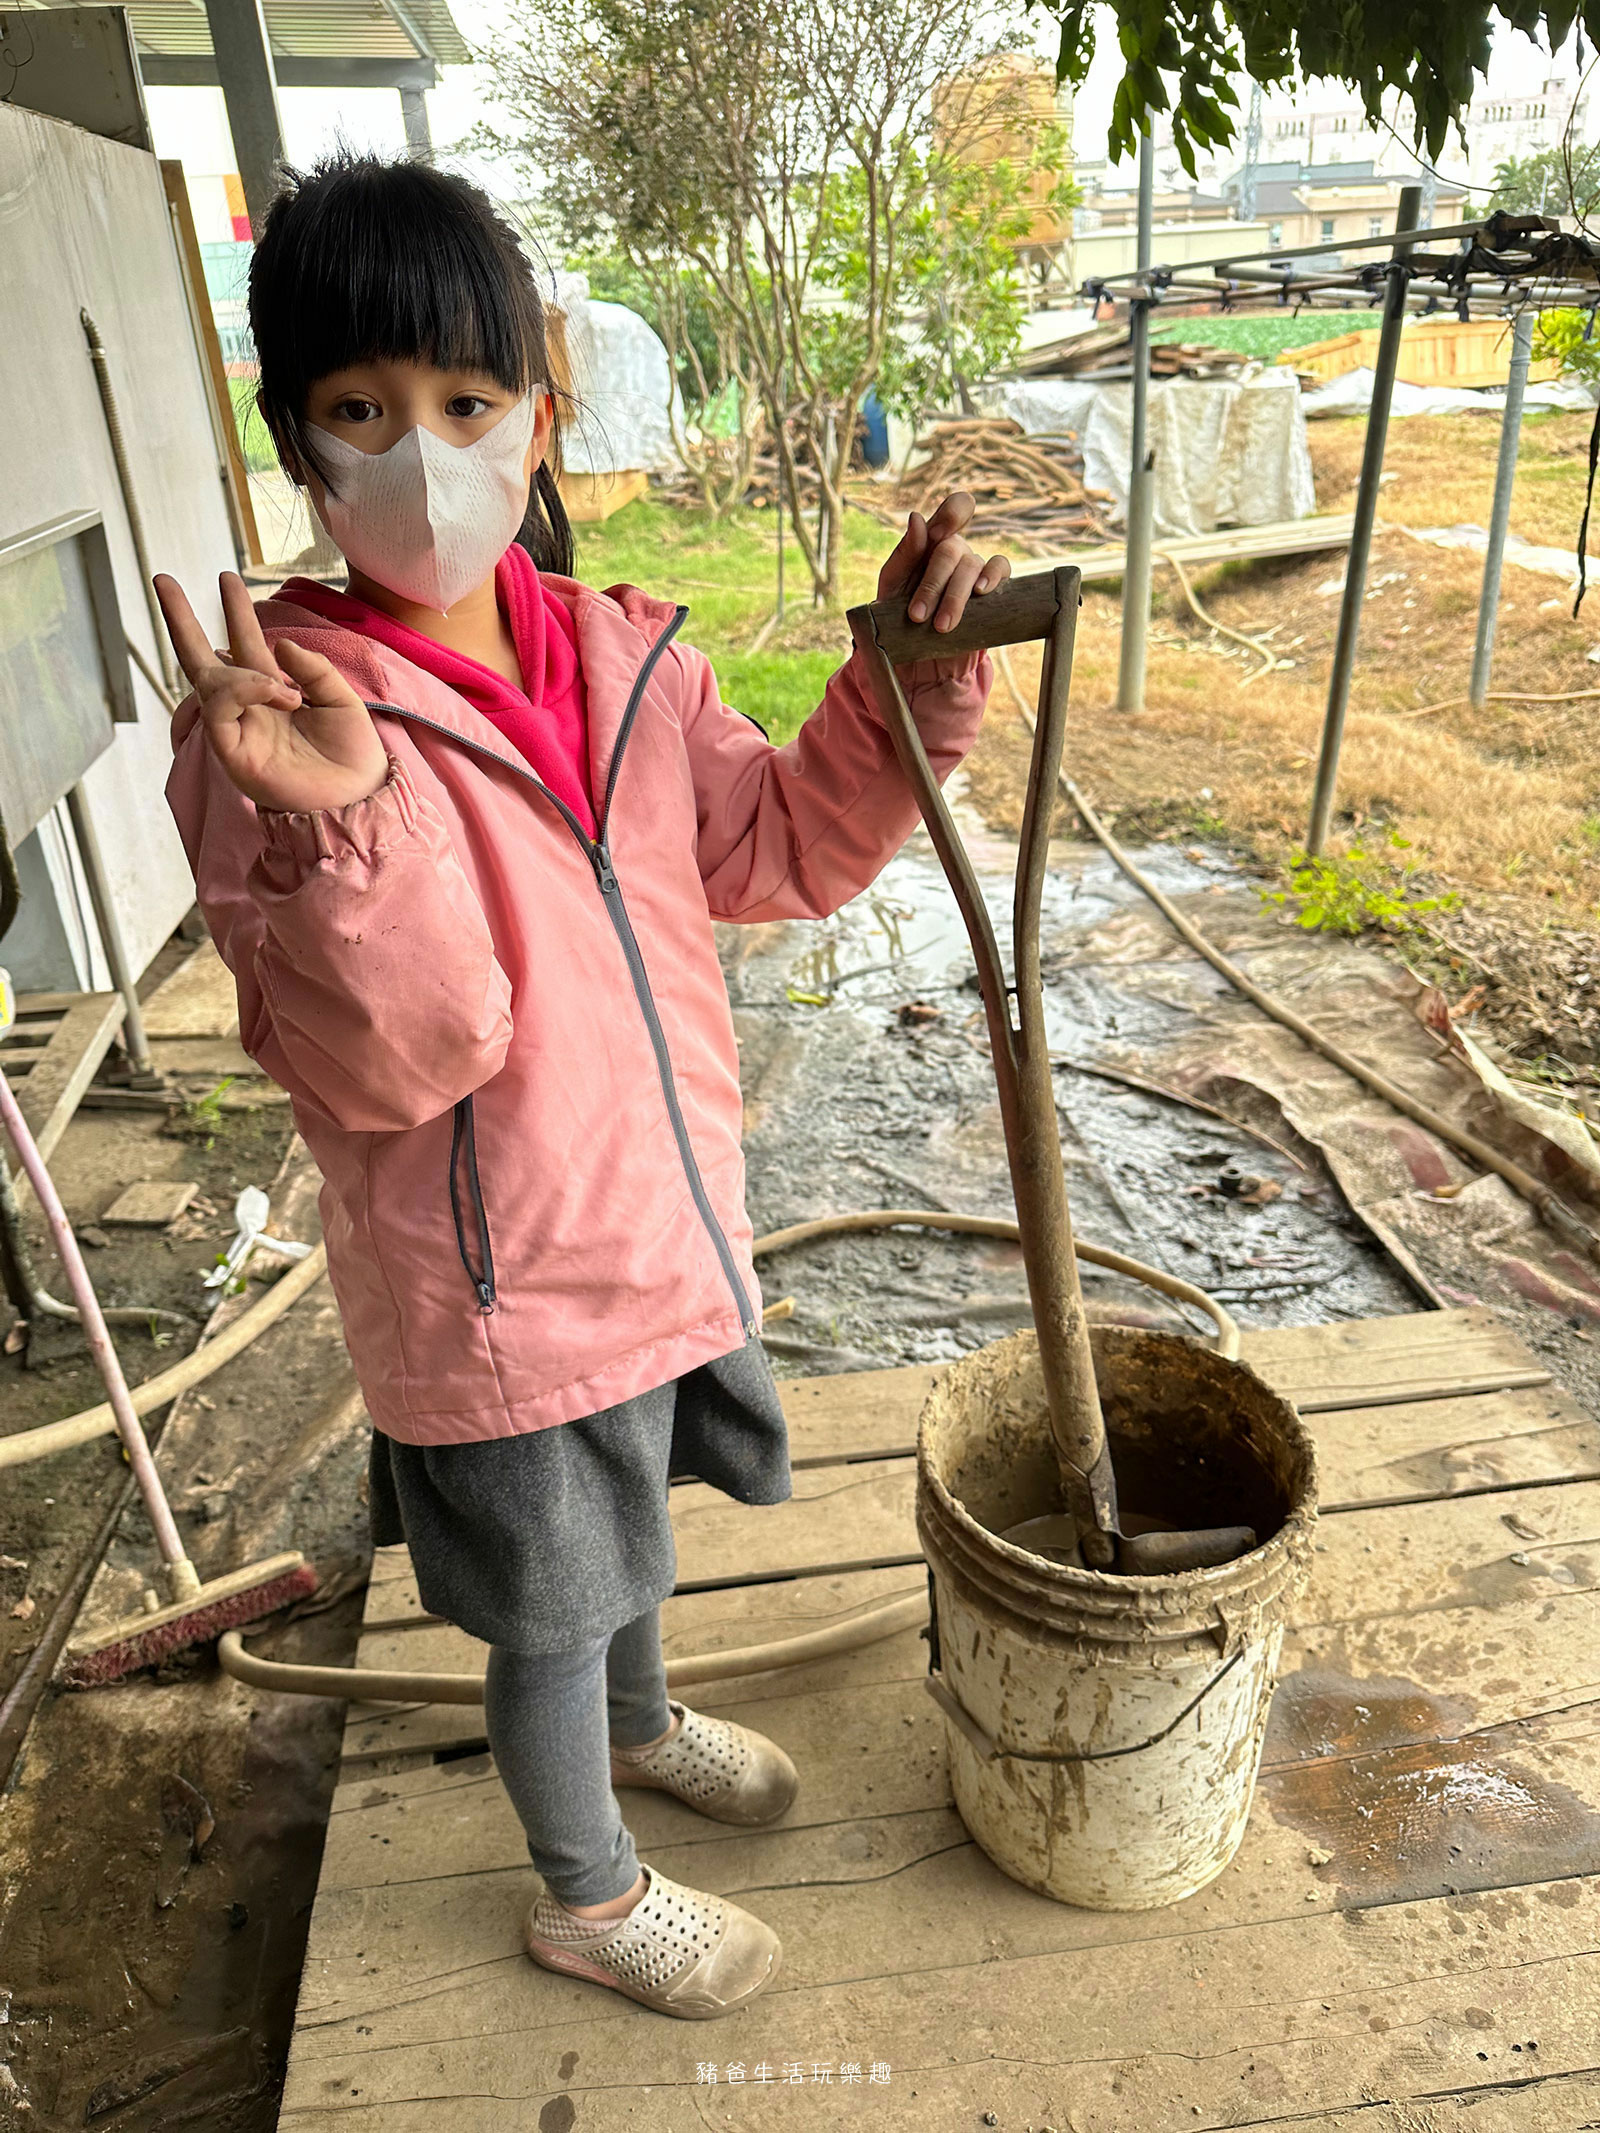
(460, 833)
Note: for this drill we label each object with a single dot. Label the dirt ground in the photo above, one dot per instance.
(44, 1507)
(159, 1841)
(1499, 807)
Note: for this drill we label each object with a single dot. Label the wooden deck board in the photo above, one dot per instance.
(49, 1091)
(873, 1413)
(1293, 2016)
(1437, 1729)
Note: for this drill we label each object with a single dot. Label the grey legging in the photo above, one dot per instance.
(552, 1719)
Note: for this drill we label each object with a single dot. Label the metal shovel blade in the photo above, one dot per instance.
(1164, 1555)
(1156, 1554)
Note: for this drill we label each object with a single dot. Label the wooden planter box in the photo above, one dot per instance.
(1458, 352)
(591, 497)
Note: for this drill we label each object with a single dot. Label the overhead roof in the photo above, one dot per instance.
(316, 44)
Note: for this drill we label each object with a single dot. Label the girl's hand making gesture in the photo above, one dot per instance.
(932, 551)
(286, 726)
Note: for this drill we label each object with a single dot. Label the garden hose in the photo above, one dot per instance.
(885, 1619)
(198, 1365)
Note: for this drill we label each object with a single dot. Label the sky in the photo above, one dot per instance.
(192, 123)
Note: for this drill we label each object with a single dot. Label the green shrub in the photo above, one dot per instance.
(1360, 892)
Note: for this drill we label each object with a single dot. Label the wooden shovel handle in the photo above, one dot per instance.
(1044, 605)
(1017, 612)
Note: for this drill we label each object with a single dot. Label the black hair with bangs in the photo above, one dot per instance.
(362, 260)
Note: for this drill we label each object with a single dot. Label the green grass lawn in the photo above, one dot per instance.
(254, 441)
(725, 572)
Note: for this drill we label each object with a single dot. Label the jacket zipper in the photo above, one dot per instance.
(598, 854)
(464, 1142)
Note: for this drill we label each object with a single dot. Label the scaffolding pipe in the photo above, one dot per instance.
(1505, 476)
(1397, 277)
(1141, 466)
(117, 439)
(1403, 233)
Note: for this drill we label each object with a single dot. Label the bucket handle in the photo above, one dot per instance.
(964, 1722)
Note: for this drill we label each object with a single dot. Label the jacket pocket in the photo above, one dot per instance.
(467, 1209)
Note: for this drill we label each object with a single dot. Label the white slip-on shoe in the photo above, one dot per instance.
(720, 1769)
(677, 1951)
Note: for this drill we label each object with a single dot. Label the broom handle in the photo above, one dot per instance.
(129, 1429)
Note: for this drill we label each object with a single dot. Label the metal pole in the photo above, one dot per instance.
(1505, 475)
(250, 90)
(1141, 468)
(134, 1042)
(1355, 582)
(414, 116)
(1229, 262)
(116, 438)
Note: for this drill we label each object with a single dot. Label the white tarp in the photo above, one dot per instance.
(1229, 451)
(623, 379)
(1352, 395)
(1528, 555)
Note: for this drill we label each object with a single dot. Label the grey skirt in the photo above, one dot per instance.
(548, 1540)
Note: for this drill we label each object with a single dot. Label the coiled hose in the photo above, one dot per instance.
(885, 1619)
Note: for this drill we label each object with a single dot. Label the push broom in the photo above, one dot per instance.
(195, 1612)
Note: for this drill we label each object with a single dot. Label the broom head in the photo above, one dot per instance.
(223, 1603)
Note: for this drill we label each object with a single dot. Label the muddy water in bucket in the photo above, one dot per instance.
(1105, 1730)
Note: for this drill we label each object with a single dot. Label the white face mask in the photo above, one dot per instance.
(427, 519)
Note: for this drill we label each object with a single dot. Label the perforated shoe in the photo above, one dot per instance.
(677, 1951)
(720, 1769)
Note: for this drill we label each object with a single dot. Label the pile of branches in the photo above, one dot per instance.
(1029, 490)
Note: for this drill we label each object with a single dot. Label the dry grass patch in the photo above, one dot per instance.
(1439, 470)
(1506, 800)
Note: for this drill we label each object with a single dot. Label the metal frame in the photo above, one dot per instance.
(1530, 254)
(1141, 466)
(88, 528)
(1505, 475)
(198, 70)
(1366, 514)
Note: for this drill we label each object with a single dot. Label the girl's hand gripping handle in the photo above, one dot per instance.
(285, 725)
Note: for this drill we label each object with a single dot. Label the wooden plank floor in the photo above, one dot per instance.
(1408, 1942)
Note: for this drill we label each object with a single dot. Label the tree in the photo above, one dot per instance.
(1430, 52)
(820, 182)
(617, 281)
(1567, 337)
(1563, 180)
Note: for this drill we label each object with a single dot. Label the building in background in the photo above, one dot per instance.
(252, 49)
(1502, 125)
(1001, 113)
(1529, 102)
(1334, 203)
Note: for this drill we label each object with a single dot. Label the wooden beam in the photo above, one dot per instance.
(1294, 536)
(235, 473)
(50, 1091)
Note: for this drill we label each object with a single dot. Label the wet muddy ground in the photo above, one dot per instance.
(151, 1972)
(867, 1084)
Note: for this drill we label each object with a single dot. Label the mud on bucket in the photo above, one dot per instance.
(1105, 1731)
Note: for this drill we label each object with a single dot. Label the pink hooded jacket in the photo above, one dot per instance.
(509, 1047)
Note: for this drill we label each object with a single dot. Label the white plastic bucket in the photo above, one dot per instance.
(1105, 1731)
